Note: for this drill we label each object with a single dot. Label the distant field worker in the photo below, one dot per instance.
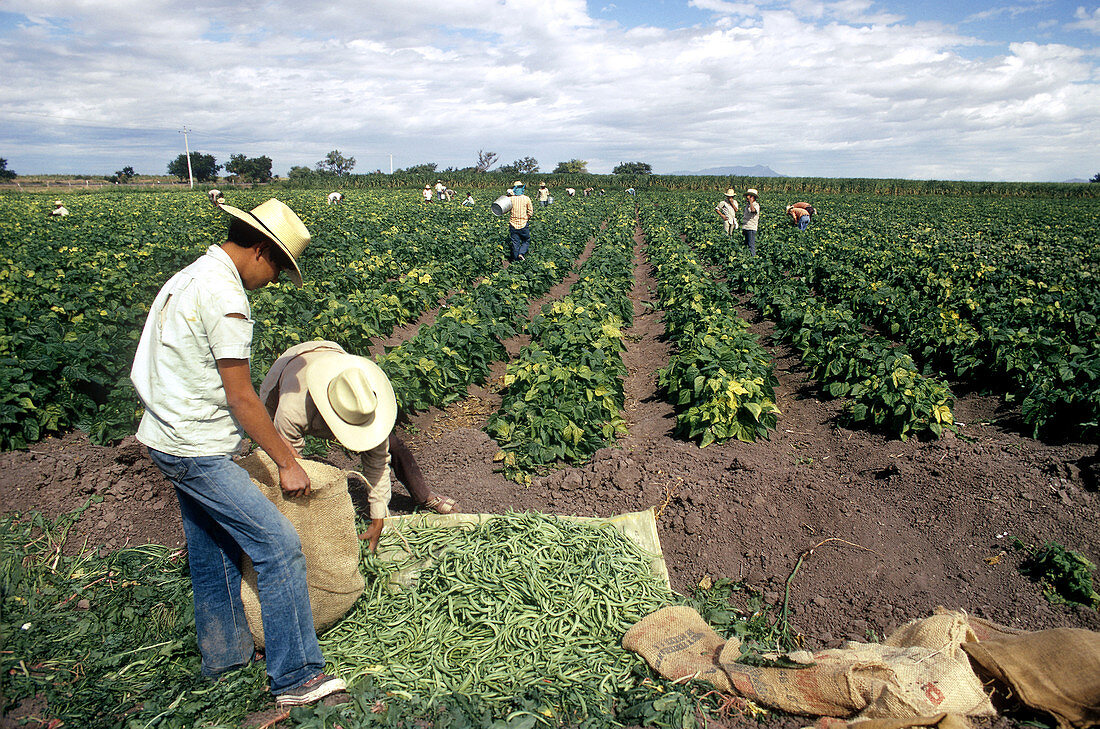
(316, 388)
(800, 214)
(335, 198)
(570, 191)
(519, 231)
(544, 194)
(750, 220)
(727, 211)
(59, 209)
(427, 193)
(469, 199)
(216, 197)
(440, 190)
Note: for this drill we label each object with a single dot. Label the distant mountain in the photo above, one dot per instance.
(734, 171)
(1075, 179)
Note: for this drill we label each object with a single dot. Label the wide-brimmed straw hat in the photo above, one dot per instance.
(58, 202)
(279, 223)
(752, 191)
(354, 397)
(731, 192)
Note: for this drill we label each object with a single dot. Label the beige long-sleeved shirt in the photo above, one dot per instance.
(287, 400)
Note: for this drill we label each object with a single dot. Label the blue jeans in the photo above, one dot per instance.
(804, 222)
(750, 240)
(521, 240)
(224, 517)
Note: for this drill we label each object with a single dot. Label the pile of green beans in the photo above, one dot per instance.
(516, 604)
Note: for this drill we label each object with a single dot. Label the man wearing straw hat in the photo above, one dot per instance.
(191, 372)
(316, 388)
(519, 231)
(59, 209)
(727, 211)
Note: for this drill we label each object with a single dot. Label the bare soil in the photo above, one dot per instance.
(868, 532)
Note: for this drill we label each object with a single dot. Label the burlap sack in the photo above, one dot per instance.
(678, 643)
(1057, 671)
(325, 522)
(865, 680)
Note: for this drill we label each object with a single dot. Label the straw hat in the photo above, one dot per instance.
(58, 202)
(542, 184)
(354, 397)
(731, 192)
(752, 191)
(279, 223)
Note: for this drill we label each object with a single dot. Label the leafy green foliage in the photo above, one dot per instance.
(564, 392)
(106, 640)
(573, 166)
(633, 168)
(204, 167)
(251, 169)
(1064, 575)
(335, 163)
(720, 378)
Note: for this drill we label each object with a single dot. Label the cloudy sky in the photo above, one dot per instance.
(946, 89)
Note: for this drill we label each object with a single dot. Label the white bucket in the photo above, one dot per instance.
(501, 205)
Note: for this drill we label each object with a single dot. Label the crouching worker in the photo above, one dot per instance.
(191, 372)
(316, 388)
(799, 214)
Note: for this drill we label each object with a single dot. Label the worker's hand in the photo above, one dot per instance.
(374, 531)
(293, 480)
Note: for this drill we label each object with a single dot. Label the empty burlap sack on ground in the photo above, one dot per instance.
(325, 522)
(860, 680)
(1057, 671)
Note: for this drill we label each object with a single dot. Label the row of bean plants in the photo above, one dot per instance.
(436, 366)
(720, 378)
(564, 391)
(882, 384)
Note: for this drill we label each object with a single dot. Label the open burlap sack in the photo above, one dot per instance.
(1057, 671)
(864, 680)
(325, 522)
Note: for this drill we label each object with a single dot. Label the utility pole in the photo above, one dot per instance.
(391, 163)
(186, 148)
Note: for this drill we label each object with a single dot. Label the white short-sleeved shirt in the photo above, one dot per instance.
(175, 370)
(334, 197)
(751, 217)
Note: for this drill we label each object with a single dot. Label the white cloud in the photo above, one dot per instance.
(1086, 21)
(810, 87)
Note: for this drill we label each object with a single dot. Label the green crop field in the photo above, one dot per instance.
(1001, 291)
(895, 303)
